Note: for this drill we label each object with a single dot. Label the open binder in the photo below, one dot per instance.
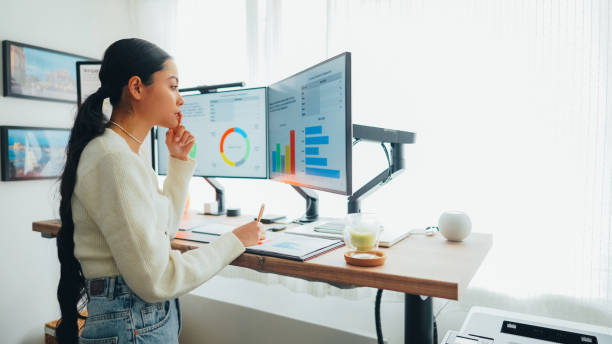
(280, 245)
(294, 247)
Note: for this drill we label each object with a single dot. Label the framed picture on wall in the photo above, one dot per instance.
(32, 153)
(88, 81)
(39, 73)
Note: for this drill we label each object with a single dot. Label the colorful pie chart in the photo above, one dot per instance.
(242, 133)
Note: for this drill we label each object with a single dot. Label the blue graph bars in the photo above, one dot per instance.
(316, 161)
(316, 130)
(322, 172)
(311, 140)
(317, 140)
(312, 150)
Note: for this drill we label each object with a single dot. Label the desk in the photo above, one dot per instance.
(418, 265)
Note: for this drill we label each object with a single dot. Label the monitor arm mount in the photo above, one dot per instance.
(312, 204)
(218, 196)
(397, 139)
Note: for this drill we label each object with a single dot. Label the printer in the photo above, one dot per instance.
(494, 326)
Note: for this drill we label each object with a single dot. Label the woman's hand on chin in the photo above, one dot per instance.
(179, 141)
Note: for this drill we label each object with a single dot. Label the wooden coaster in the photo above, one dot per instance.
(369, 258)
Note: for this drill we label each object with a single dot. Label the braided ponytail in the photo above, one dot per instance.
(89, 123)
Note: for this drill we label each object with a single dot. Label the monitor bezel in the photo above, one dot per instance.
(348, 124)
(265, 88)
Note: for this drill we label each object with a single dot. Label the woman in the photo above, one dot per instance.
(114, 244)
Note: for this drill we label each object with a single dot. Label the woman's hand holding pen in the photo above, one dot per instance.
(253, 232)
(179, 141)
(250, 234)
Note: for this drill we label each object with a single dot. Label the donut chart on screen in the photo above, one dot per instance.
(248, 146)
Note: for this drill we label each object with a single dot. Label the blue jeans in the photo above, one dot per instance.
(116, 315)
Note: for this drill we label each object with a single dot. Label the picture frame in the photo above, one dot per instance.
(28, 153)
(39, 73)
(87, 79)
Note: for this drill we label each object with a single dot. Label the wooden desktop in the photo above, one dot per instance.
(417, 265)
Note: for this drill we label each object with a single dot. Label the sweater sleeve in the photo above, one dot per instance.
(116, 197)
(175, 188)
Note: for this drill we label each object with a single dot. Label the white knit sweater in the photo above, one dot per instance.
(123, 222)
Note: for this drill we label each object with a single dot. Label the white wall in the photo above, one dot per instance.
(28, 264)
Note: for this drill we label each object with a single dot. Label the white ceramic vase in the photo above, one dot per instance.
(455, 225)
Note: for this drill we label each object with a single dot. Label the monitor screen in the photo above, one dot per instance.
(230, 131)
(310, 128)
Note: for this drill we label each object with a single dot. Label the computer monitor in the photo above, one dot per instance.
(309, 124)
(230, 130)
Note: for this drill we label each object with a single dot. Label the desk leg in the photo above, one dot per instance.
(418, 320)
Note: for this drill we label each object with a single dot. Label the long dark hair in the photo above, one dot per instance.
(122, 60)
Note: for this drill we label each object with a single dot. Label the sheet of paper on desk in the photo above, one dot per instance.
(198, 237)
(194, 221)
(294, 247)
(309, 231)
(213, 228)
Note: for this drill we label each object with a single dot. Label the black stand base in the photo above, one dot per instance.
(306, 219)
(418, 321)
(312, 204)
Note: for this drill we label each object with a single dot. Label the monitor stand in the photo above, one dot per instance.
(396, 139)
(218, 196)
(312, 204)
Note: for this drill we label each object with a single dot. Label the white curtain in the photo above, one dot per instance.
(155, 21)
(511, 102)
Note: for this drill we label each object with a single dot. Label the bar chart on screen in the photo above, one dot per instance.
(313, 153)
(283, 158)
(315, 161)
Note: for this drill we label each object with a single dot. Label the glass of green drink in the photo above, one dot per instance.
(362, 231)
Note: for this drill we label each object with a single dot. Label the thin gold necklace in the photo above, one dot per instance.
(125, 131)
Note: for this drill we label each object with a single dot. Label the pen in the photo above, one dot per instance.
(259, 219)
(261, 210)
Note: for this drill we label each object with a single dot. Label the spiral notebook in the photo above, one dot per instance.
(294, 247)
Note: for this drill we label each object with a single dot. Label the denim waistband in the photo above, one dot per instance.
(108, 287)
